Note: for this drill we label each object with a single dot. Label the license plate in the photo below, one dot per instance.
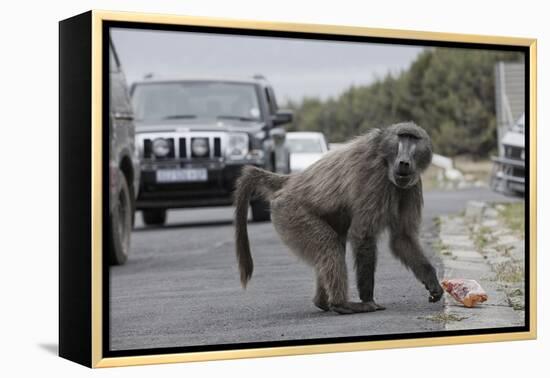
(182, 175)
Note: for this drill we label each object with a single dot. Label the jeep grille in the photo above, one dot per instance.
(513, 152)
(183, 148)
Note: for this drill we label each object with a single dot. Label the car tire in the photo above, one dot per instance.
(260, 211)
(121, 224)
(154, 217)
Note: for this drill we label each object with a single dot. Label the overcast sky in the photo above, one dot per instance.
(295, 67)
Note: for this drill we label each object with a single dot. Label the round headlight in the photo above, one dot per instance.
(199, 146)
(161, 148)
(237, 145)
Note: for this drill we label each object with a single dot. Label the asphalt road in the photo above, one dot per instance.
(180, 286)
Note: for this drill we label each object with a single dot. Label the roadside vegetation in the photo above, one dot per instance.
(449, 92)
(513, 215)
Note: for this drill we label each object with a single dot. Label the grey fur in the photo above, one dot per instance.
(352, 193)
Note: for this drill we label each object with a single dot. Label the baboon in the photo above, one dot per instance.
(351, 194)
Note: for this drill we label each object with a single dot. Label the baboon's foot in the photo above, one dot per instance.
(353, 307)
(321, 302)
(376, 305)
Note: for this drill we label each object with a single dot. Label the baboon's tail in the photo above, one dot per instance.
(254, 183)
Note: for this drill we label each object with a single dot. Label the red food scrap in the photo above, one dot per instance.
(467, 292)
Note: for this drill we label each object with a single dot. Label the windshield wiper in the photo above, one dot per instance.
(236, 117)
(180, 116)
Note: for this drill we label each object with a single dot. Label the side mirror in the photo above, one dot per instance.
(282, 117)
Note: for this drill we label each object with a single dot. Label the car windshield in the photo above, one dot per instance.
(304, 145)
(195, 99)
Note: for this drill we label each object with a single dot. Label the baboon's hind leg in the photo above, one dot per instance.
(332, 275)
(321, 298)
(318, 243)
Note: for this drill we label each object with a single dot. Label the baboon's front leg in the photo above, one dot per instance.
(365, 253)
(406, 247)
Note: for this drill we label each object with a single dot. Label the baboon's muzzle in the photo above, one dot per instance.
(403, 181)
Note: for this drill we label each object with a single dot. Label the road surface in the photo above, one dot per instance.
(180, 286)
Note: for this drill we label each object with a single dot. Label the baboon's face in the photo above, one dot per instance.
(409, 153)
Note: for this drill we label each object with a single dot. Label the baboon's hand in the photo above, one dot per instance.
(436, 292)
(434, 288)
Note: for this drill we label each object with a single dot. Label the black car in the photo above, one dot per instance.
(195, 135)
(123, 163)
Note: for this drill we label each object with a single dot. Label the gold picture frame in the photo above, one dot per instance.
(90, 328)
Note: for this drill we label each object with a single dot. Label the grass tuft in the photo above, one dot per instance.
(513, 215)
(509, 272)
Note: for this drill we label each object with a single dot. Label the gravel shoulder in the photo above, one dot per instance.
(480, 244)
